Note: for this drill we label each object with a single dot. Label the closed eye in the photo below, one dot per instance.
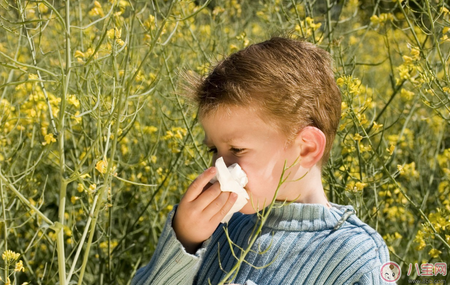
(237, 150)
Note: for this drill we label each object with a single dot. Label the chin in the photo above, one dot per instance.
(248, 209)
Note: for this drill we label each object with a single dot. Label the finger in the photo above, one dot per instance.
(208, 196)
(216, 205)
(196, 188)
(221, 206)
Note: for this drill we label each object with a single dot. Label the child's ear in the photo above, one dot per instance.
(312, 143)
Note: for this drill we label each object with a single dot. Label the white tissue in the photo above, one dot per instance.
(232, 179)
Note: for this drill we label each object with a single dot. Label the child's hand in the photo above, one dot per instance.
(200, 211)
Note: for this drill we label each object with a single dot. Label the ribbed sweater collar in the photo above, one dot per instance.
(304, 217)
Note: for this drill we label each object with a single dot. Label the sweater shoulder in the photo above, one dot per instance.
(366, 237)
(356, 224)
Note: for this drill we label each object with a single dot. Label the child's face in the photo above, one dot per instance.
(241, 136)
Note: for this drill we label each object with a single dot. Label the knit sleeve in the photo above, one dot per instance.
(170, 263)
(372, 278)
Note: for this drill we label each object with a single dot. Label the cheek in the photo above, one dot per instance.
(264, 175)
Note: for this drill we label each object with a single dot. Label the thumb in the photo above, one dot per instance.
(197, 186)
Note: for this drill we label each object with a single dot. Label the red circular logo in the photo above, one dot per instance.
(390, 272)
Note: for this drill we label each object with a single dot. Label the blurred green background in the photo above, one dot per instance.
(97, 143)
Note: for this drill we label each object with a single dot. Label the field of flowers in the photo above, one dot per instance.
(97, 142)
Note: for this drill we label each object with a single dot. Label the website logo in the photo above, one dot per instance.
(390, 272)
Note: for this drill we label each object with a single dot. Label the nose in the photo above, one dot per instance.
(228, 159)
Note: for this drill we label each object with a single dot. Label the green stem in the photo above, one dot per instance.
(83, 238)
(41, 81)
(185, 120)
(21, 64)
(330, 27)
(411, 27)
(62, 162)
(255, 235)
(11, 73)
(400, 188)
(436, 38)
(3, 196)
(24, 200)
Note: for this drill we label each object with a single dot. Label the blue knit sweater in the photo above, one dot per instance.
(299, 244)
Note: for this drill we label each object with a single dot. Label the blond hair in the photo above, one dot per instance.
(289, 81)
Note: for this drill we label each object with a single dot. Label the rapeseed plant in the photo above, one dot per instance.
(96, 144)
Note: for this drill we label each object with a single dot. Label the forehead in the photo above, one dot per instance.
(233, 124)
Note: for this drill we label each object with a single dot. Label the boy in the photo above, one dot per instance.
(272, 102)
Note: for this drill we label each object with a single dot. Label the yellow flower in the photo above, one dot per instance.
(97, 10)
(376, 126)
(101, 166)
(400, 169)
(408, 59)
(404, 72)
(340, 81)
(74, 101)
(310, 22)
(217, 10)
(434, 253)
(443, 186)
(355, 186)
(49, 138)
(360, 186)
(114, 33)
(150, 129)
(10, 256)
(85, 175)
(357, 137)
(391, 149)
(67, 231)
(410, 170)
(76, 117)
(19, 267)
(383, 18)
(233, 48)
(407, 95)
(120, 42)
(32, 77)
(375, 20)
(415, 52)
(123, 3)
(444, 38)
(79, 54)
